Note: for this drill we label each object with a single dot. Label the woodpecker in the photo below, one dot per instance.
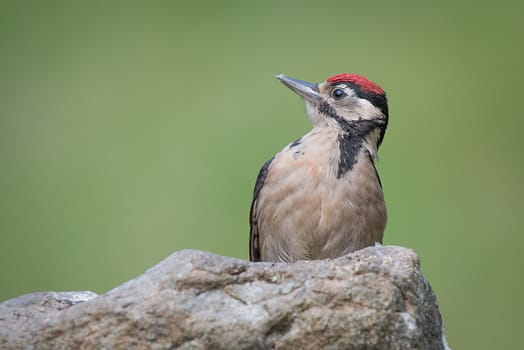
(321, 196)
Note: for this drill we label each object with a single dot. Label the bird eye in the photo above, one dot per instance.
(338, 93)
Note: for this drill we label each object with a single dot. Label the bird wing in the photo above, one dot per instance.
(254, 246)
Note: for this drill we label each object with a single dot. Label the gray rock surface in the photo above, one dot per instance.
(375, 298)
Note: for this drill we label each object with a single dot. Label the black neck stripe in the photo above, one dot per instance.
(352, 139)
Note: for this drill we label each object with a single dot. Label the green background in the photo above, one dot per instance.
(132, 130)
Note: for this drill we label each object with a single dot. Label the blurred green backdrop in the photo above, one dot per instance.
(130, 130)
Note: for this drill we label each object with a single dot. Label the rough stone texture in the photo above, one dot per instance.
(375, 298)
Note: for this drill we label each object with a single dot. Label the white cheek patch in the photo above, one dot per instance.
(366, 110)
(354, 107)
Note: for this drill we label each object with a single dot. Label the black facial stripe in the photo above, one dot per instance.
(326, 109)
(359, 127)
(352, 139)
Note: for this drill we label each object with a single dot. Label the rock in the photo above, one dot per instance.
(375, 298)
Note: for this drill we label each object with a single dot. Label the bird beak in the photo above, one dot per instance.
(307, 90)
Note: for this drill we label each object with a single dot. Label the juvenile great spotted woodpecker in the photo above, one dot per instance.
(321, 196)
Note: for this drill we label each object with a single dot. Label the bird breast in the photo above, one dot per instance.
(307, 212)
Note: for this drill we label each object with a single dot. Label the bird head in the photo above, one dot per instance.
(350, 102)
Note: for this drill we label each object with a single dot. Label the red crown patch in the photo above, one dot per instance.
(362, 82)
